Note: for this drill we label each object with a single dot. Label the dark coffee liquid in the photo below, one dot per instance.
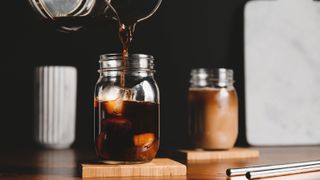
(126, 131)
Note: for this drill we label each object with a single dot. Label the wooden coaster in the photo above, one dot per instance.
(233, 153)
(157, 167)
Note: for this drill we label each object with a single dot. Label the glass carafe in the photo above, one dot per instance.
(71, 15)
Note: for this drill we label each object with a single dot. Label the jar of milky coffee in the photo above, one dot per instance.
(212, 109)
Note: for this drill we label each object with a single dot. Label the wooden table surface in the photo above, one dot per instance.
(64, 164)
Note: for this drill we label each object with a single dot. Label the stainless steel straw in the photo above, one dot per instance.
(282, 171)
(244, 170)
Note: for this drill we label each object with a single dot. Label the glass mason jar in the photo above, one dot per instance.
(213, 109)
(127, 108)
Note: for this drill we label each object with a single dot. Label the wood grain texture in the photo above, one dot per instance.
(16, 164)
(157, 167)
(234, 153)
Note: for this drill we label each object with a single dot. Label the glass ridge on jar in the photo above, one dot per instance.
(127, 108)
(212, 109)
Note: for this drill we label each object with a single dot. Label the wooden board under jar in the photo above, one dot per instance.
(234, 153)
(157, 167)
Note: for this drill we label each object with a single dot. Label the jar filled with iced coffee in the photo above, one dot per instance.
(213, 109)
(126, 109)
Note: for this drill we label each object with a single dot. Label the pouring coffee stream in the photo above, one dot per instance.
(128, 13)
(125, 35)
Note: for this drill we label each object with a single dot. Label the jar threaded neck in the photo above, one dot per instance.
(202, 77)
(117, 62)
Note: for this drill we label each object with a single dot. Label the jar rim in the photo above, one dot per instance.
(211, 75)
(211, 70)
(119, 56)
(132, 62)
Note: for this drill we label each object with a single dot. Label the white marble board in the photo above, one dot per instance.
(282, 72)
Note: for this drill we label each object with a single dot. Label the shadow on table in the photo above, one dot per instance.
(60, 163)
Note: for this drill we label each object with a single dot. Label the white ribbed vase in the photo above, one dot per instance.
(55, 106)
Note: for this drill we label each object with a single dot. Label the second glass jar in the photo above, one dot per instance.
(213, 109)
(127, 107)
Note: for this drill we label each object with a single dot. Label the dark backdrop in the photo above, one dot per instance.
(181, 35)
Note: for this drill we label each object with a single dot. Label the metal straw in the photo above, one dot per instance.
(244, 170)
(282, 171)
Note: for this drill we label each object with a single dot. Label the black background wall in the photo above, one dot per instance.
(181, 35)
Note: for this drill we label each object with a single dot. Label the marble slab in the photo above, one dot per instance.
(282, 72)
